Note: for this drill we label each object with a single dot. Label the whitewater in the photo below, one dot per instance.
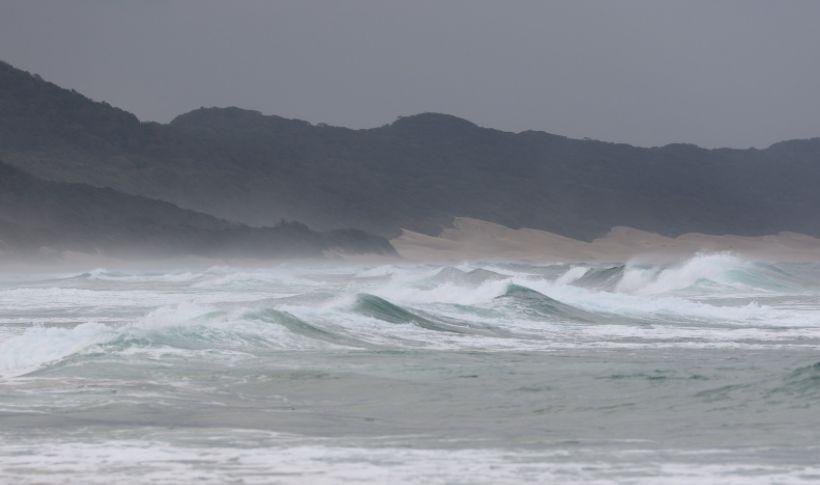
(701, 370)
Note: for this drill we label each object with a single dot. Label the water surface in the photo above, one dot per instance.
(705, 370)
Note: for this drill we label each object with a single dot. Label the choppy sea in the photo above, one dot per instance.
(705, 370)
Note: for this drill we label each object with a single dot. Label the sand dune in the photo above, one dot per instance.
(470, 239)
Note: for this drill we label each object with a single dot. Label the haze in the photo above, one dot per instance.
(731, 73)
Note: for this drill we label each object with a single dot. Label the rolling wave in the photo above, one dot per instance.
(802, 382)
(705, 272)
(301, 327)
(381, 309)
(186, 327)
(600, 278)
(475, 277)
(540, 305)
(716, 299)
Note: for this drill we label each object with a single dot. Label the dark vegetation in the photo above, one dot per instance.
(417, 173)
(37, 216)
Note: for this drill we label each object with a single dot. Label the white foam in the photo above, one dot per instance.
(572, 275)
(713, 271)
(212, 310)
(38, 346)
(136, 461)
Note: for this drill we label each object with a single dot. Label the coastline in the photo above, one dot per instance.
(474, 239)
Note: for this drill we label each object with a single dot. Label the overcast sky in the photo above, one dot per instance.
(716, 73)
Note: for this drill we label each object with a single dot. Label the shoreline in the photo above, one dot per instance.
(474, 239)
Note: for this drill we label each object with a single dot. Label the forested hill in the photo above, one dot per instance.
(36, 214)
(415, 173)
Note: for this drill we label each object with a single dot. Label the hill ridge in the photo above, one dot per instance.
(418, 172)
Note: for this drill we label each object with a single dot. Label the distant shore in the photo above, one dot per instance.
(473, 239)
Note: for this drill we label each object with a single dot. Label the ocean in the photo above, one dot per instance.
(702, 370)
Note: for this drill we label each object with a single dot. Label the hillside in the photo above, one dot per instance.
(416, 173)
(37, 214)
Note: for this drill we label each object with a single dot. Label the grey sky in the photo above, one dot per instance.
(716, 73)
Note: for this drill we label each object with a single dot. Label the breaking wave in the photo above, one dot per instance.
(186, 327)
(381, 309)
(540, 305)
(714, 299)
(707, 272)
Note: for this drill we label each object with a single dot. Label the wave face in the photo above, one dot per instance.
(713, 271)
(484, 360)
